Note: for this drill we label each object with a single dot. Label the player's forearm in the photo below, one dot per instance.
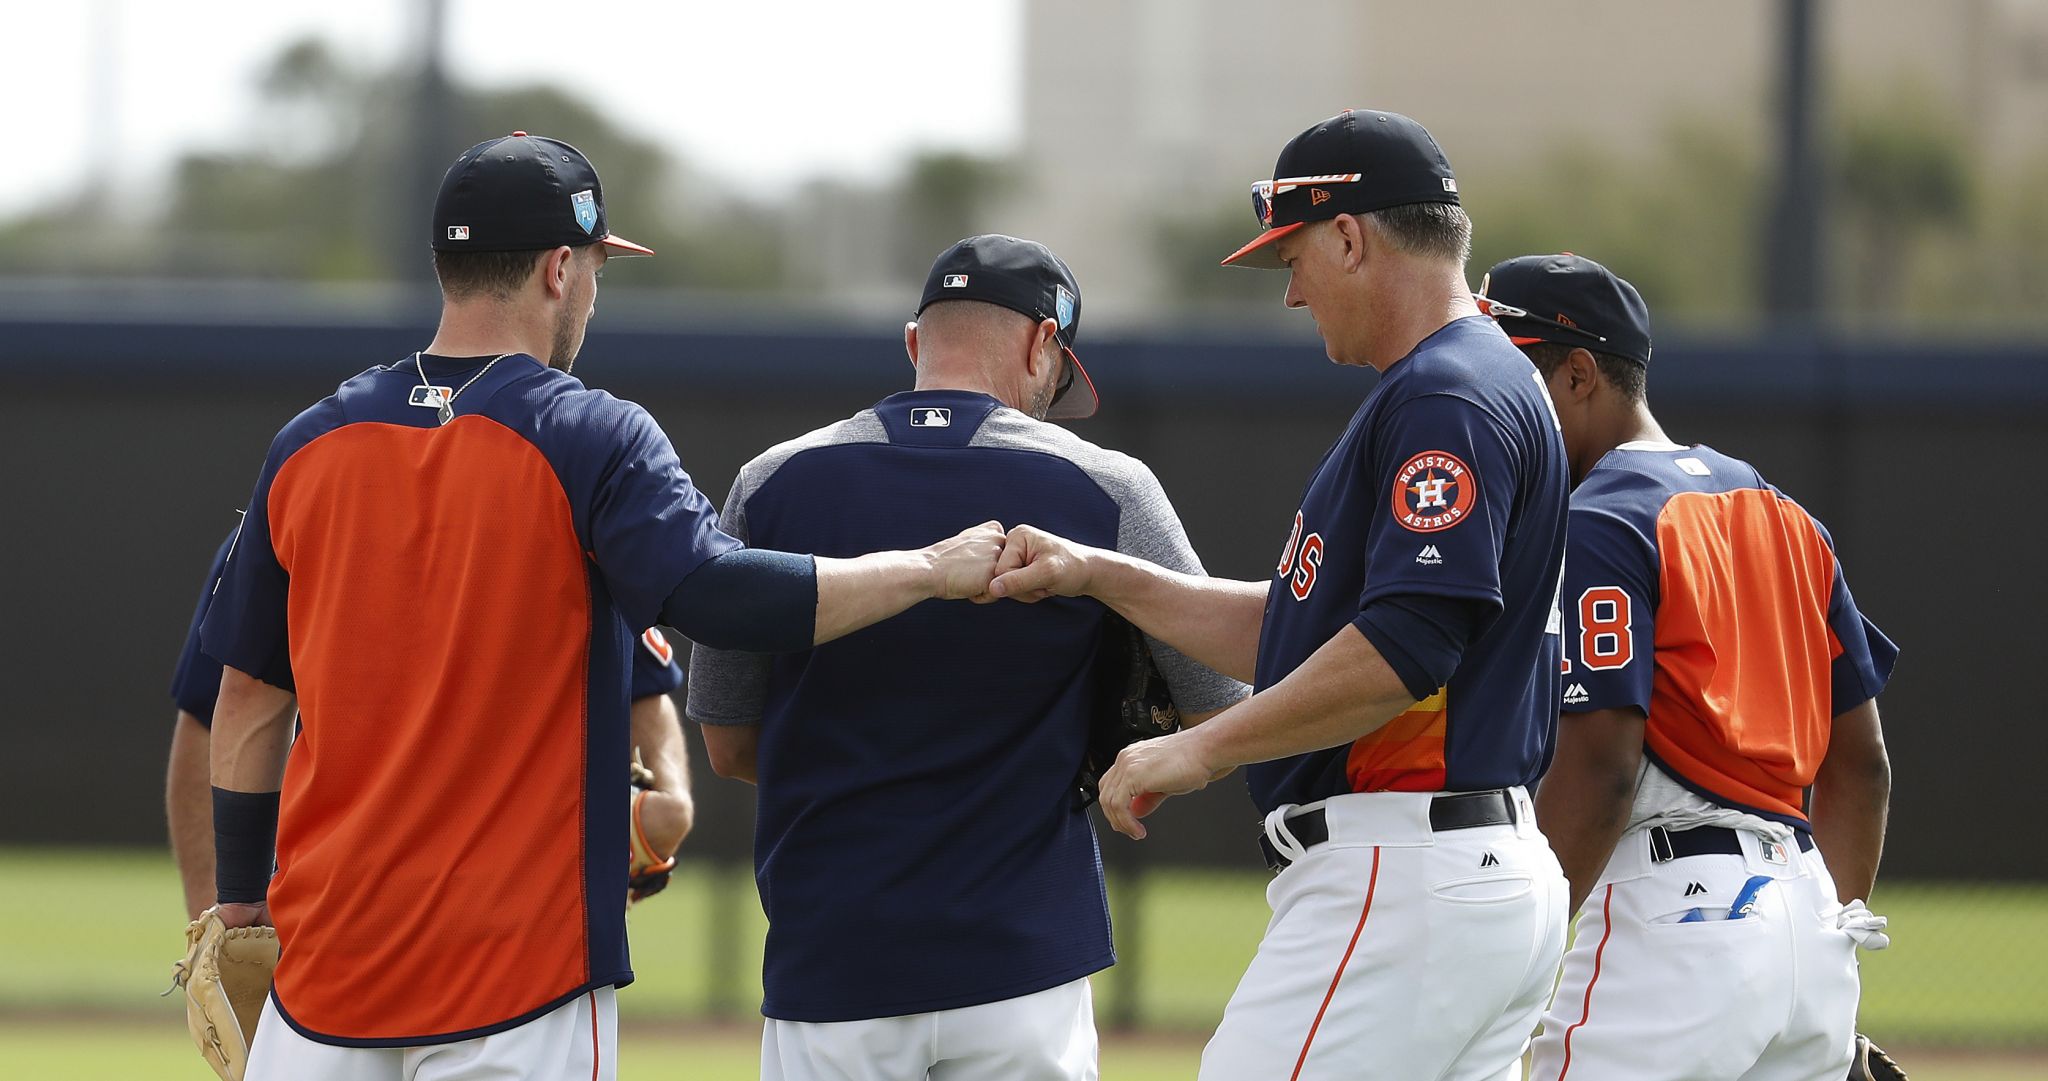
(1342, 692)
(252, 730)
(188, 809)
(658, 736)
(669, 812)
(860, 592)
(1851, 801)
(1583, 803)
(1214, 621)
(764, 601)
(252, 727)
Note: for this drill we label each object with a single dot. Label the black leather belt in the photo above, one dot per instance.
(1450, 811)
(1667, 845)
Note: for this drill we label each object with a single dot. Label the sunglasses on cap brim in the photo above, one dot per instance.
(1066, 378)
(1499, 310)
(1263, 191)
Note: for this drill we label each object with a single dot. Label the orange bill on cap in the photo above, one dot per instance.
(622, 248)
(1259, 252)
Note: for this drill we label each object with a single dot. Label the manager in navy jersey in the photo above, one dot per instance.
(934, 895)
(664, 816)
(1404, 654)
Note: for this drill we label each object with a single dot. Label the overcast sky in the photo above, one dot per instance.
(135, 81)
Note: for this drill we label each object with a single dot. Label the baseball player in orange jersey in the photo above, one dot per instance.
(1719, 731)
(662, 812)
(440, 572)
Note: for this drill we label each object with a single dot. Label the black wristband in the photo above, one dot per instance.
(244, 845)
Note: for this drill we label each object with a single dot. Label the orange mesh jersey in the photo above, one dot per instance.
(453, 605)
(1699, 594)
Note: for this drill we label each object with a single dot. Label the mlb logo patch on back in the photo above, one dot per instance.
(931, 417)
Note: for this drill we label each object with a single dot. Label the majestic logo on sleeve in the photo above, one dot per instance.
(1433, 491)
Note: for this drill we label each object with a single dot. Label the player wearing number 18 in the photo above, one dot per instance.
(1715, 668)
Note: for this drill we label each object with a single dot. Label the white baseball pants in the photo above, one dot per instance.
(1047, 1036)
(1397, 952)
(577, 1041)
(1648, 996)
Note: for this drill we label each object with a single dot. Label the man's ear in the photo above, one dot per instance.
(910, 341)
(1585, 372)
(1034, 359)
(555, 268)
(1354, 235)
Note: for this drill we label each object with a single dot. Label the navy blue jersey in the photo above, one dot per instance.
(917, 842)
(1450, 481)
(196, 683)
(454, 604)
(1700, 595)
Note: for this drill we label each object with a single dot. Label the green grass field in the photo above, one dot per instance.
(89, 937)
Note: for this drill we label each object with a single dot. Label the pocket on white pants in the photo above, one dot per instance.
(1489, 889)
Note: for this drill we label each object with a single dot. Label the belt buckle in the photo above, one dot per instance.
(1660, 845)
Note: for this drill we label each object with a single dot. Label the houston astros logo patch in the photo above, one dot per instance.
(1433, 491)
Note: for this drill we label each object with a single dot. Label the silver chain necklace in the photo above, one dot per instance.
(445, 407)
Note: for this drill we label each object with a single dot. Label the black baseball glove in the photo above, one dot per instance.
(1131, 703)
(1872, 1064)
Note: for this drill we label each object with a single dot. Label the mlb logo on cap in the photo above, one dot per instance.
(458, 232)
(956, 281)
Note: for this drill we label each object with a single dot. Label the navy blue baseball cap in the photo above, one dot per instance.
(1356, 162)
(1568, 299)
(1025, 277)
(523, 193)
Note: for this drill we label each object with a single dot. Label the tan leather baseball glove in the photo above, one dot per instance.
(649, 871)
(225, 975)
